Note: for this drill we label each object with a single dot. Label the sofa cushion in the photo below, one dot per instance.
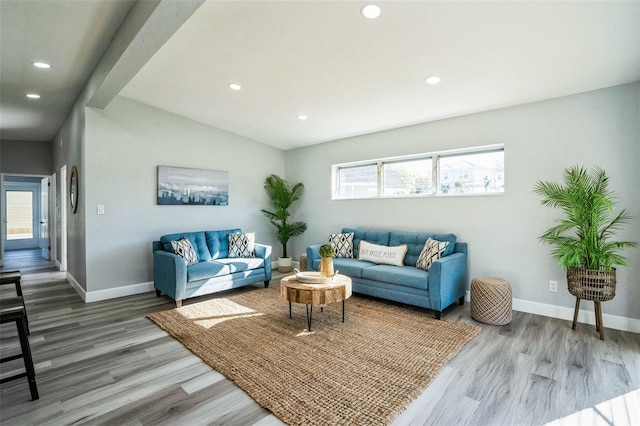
(206, 270)
(407, 276)
(184, 249)
(382, 254)
(431, 252)
(415, 243)
(449, 238)
(197, 240)
(376, 237)
(218, 242)
(242, 245)
(241, 264)
(342, 244)
(346, 266)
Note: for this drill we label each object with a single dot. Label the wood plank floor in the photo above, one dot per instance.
(106, 363)
(25, 260)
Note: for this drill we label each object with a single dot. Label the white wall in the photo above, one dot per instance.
(596, 128)
(124, 144)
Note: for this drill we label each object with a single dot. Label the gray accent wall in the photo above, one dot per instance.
(145, 29)
(124, 144)
(540, 139)
(26, 157)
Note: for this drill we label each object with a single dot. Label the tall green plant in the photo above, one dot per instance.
(582, 239)
(282, 197)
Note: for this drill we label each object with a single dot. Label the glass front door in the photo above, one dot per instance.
(21, 217)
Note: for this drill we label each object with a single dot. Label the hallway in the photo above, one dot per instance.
(26, 260)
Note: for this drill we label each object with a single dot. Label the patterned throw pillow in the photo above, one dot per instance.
(242, 245)
(342, 244)
(184, 249)
(431, 252)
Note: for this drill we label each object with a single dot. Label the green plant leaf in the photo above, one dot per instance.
(582, 237)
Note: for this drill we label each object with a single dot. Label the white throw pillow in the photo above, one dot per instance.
(184, 249)
(382, 254)
(431, 251)
(342, 244)
(242, 245)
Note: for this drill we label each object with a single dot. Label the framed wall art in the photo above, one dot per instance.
(179, 186)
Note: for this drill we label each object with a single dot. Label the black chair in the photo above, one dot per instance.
(14, 277)
(12, 310)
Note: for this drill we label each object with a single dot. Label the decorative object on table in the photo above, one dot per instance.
(491, 300)
(282, 196)
(581, 240)
(326, 252)
(74, 189)
(267, 355)
(303, 262)
(180, 186)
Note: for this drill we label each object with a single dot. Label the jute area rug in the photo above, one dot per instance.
(365, 371)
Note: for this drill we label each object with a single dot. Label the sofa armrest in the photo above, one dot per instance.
(313, 253)
(447, 280)
(170, 274)
(264, 252)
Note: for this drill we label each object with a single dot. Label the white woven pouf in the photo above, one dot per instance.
(303, 262)
(491, 300)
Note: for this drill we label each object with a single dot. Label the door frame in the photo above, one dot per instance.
(52, 196)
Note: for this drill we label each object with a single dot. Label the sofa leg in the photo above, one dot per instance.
(438, 315)
(178, 303)
(461, 301)
(158, 293)
(266, 284)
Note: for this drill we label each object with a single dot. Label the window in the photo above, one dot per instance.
(472, 173)
(19, 215)
(409, 177)
(464, 172)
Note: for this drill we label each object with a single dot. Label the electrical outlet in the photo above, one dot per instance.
(553, 286)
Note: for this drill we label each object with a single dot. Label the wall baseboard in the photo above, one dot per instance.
(560, 312)
(111, 293)
(585, 317)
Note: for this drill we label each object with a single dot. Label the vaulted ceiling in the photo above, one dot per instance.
(321, 59)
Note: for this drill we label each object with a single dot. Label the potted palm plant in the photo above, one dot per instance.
(582, 239)
(282, 196)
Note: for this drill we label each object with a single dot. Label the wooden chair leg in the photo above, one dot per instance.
(575, 313)
(599, 325)
(28, 360)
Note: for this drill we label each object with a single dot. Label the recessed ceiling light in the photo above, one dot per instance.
(370, 11)
(41, 65)
(33, 96)
(302, 117)
(434, 79)
(235, 86)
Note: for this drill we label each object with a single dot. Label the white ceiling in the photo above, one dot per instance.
(71, 35)
(353, 76)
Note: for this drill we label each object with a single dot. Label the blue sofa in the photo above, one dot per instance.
(214, 271)
(436, 289)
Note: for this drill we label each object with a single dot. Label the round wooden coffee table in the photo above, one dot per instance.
(295, 291)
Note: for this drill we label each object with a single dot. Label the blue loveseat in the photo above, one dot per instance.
(436, 289)
(214, 271)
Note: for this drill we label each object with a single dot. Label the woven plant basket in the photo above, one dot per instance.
(592, 284)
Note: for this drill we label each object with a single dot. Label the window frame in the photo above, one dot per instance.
(435, 158)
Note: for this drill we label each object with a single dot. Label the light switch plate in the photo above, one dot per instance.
(100, 209)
